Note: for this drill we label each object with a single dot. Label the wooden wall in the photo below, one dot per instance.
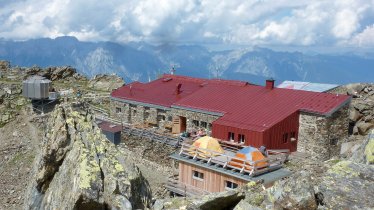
(271, 138)
(252, 138)
(212, 182)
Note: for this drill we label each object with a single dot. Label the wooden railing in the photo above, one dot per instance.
(274, 160)
(180, 188)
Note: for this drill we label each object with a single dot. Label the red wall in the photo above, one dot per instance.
(252, 138)
(271, 138)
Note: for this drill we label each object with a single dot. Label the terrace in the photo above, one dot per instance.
(265, 171)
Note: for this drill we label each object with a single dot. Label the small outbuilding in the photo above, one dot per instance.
(36, 88)
(111, 131)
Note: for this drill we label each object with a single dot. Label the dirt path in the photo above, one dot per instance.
(19, 144)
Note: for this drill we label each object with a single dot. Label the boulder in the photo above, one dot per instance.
(296, 192)
(222, 200)
(346, 185)
(78, 168)
(365, 154)
(354, 89)
(354, 115)
(244, 205)
(364, 127)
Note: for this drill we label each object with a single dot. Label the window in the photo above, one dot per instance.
(160, 117)
(230, 185)
(293, 136)
(210, 126)
(231, 136)
(195, 122)
(204, 124)
(241, 138)
(197, 175)
(285, 138)
(118, 110)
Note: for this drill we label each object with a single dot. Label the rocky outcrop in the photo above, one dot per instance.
(223, 200)
(105, 82)
(365, 153)
(79, 168)
(4, 65)
(347, 185)
(55, 73)
(10, 102)
(294, 193)
(362, 106)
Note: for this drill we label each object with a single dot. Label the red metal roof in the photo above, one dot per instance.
(107, 126)
(160, 92)
(242, 105)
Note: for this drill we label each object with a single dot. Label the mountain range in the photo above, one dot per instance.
(143, 62)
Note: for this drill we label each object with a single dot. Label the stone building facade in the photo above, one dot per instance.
(158, 116)
(322, 136)
(318, 135)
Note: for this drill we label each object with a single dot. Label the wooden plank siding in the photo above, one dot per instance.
(212, 181)
(252, 138)
(271, 137)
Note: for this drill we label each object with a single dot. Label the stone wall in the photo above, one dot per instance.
(195, 117)
(138, 115)
(322, 136)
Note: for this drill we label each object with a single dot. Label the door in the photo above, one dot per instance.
(179, 124)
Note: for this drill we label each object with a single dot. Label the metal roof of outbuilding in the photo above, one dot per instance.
(307, 86)
(37, 79)
(107, 126)
(239, 104)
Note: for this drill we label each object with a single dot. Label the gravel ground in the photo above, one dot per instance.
(17, 152)
(153, 161)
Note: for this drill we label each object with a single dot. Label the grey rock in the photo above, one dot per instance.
(354, 115)
(347, 184)
(296, 192)
(105, 82)
(79, 168)
(365, 153)
(244, 205)
(364, 127)
(222, 200)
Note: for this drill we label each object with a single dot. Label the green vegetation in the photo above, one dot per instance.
(369, 149)
(342, 169)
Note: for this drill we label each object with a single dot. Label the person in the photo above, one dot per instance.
(200, 133)
(263, 151)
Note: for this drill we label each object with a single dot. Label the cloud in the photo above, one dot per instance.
(251, 22)
(365, 38)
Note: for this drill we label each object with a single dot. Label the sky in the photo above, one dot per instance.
(302, 23)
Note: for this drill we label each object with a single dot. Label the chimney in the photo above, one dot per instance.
(172, 70)
(130, 89)
(178, 89)
(270, 84)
